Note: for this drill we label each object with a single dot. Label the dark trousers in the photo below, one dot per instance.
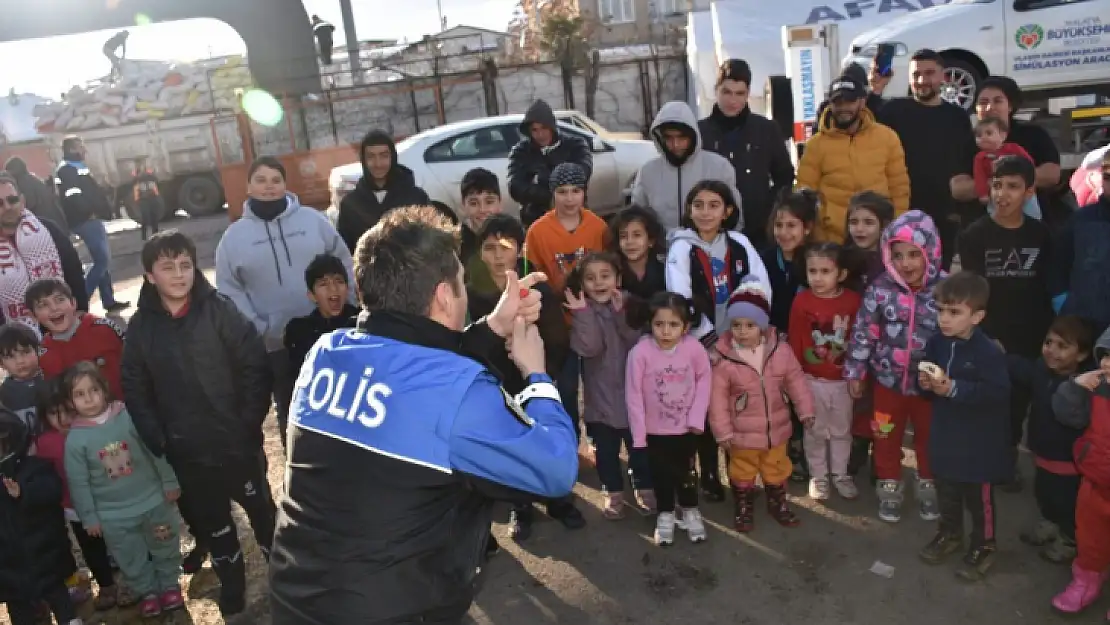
(57, 597)
(150, 211)
(671, 460)
(608, 440)
(95, 552)
(978, 499)
(1019, 410)
(1056, 496)
(185, 507)
(283, 389)
(211, 491)
(708, 460)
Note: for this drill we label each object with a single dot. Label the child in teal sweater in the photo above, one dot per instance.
(122, 492)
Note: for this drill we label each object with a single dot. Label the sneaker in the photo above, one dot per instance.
(976, 563)
(940, 547)
(1060, 551)
(819, 488)
(845, 486)
(927, 507)
(520, 523)
(1041, 534)
(194, 560)
(171, 599)
(664, 529)
(645, 501)
(150, 607)
(1082, 591)
(614, 506)
(693, 524)
(890, 500)
(117, 307)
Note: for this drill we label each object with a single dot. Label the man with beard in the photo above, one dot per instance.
(30, 249)
(939, 144)
(751, 143)
(536, 155)
(385, 185)
(851, 152)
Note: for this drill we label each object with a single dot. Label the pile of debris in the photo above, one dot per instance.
(148, 90)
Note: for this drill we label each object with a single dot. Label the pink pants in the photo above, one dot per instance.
(828, 444)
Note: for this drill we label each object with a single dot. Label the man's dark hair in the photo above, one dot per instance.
(501, 226)
(16, 166)
(964, 287)
(1015, 166)
(991, 120)
(15, 336)
(322, 266)
(6, 178)
(735, 69)
(479, 180)
(69, 142)
(44, 288)
(1075, 329)
(266, 161)
(401, 260)
(167, 244)
(928, 54)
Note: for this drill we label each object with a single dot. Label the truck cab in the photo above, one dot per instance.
(1041, 44)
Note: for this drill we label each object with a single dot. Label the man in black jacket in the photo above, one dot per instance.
(38, 195)
(196, 379)
(752, 143)
(385, 185)
(400, 441)
(85, 204)
(533, 158)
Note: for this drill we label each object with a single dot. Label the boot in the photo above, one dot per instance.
(233, 585)
(743, 498)
(1083, 590)
(925, 491)
(976, 563)
(778, 506)
(890, 500)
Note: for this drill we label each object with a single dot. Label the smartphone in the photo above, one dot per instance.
(884, 59)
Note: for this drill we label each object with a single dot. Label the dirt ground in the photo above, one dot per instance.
(611, 574)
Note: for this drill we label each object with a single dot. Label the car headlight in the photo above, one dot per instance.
(900, 49)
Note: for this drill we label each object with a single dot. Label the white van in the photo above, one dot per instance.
(1042, 44)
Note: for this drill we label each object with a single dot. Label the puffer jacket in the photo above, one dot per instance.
(894, 322)
(35, 552)
(838, 165)
(197, 386)
(530, 165)
(1089, 411)
(749, 408)
(603, 338)
(663, 182)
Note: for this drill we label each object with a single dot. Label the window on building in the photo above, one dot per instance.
(664, 8)
(616, 11)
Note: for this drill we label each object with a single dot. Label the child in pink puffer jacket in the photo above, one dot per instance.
(748, 412)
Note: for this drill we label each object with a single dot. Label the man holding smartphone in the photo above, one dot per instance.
(939, 144)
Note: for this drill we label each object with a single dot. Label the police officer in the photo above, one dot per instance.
(401, 439)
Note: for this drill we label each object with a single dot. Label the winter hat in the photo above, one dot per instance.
(567, 174)
(750, 301)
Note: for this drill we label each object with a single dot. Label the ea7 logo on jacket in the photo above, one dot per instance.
(326, 393)
(1010, 263)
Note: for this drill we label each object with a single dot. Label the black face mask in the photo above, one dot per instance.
(268, 210)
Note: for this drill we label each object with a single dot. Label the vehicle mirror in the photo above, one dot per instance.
(598, 145)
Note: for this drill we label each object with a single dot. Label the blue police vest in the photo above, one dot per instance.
(392, 398)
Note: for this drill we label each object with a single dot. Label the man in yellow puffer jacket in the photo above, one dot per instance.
(851, 152)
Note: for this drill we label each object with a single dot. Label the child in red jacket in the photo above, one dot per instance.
(990, 136)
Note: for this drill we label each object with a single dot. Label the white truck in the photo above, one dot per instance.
(182, 153)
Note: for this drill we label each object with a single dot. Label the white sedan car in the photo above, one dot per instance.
(439, 158)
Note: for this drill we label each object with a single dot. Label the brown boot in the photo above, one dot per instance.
(743, 498)
(778, 507)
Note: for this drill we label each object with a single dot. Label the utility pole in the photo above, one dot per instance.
(352, 41)
(439, 11)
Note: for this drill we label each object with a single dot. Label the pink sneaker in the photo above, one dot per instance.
(149, 606)
(1083, 590)
(171, 600)
(614, 506)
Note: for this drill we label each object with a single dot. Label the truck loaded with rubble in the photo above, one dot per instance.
(159, 116)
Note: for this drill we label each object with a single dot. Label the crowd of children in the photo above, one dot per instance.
(802, 361)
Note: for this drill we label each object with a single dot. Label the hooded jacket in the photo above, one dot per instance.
(1080, 281)
(361, 209)
(838, 164)
(895, 322)
(530, 166)
(38, 196)
(694, 270)
(260, 264)
(1078, 408)
(198, 385)
(663, 182)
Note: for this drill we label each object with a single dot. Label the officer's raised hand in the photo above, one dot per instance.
(527, 348)
(518, 299)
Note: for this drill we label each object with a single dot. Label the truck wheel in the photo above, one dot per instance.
(779, 103)
(961, 83)
(200, 196)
